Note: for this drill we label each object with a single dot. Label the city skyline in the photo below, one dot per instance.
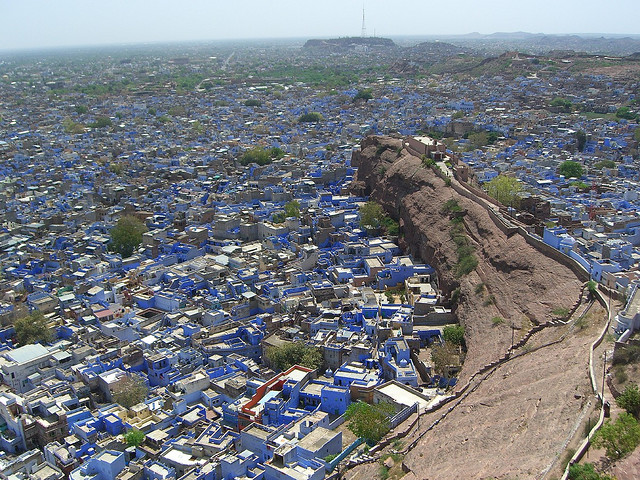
(34, 24)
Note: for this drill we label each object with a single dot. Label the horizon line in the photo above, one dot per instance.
(137, 43)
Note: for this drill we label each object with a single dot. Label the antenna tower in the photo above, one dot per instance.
(364, 28)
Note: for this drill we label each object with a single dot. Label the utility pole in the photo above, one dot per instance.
(604, 374)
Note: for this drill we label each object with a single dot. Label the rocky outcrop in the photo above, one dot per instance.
(513, 280)
(517, 418)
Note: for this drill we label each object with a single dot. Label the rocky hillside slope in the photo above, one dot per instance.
(513, 280)
(517, 421)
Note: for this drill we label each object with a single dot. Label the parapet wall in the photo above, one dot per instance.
(506, 227)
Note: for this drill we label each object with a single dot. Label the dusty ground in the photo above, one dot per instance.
(503, 428)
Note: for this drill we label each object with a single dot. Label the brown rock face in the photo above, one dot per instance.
(531, 408)
(513, 280)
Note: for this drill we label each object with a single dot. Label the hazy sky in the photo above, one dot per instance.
(52, 23)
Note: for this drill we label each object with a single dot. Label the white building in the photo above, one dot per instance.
(21, 363)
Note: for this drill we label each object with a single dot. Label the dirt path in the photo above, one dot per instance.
(518, 420)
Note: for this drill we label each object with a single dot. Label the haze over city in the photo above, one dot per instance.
(41, 24)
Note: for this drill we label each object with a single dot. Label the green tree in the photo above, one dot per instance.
(444, 357)
(492, 137)
(618, 438)
(101, 122)
(197, 127)
(365, 94)
(505, 189)
(177, 111)
(81, 109)
(279, 217)
(261, 156)
(626, 113)
(370, 422)
(33, 328)
(295, 353)
(478, 139)
(391, 227)
(604, 164)
(117, 168)
(134, 437)
(453, 334)
(581, 139)
(311, 117)
(72, 127)
(630, 399)
(131, 391)
(127, 235)
(373, 216)
(570, 169)
(292, 209)
(562, 104)
(253, 102)
(458, 114)
(586, 471)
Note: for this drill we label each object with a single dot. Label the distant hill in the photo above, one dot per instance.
(438, 48)
(349, 43)
(542, 43)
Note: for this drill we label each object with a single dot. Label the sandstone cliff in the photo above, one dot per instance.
(517, 420)
(513, 280)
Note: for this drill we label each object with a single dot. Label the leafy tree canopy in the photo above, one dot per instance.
(370, 422)
(261, 156)
(134, 437)
(504, 189)
(32, 329)
(604, 164)
(177, 111)
(365, 94)
(311, 117)
(101, 122)
(562, 103)
(630, 400)
(292, 209)
(253, 102)
(443, 357)
(70, 126)
(127, 235)
(130, 392)
(626, 113)
(453, 334)
(618, 438)
(295, 353)
(570, 169)
(373, 216)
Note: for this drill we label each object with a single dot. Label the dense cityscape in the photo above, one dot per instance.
(199, 282)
